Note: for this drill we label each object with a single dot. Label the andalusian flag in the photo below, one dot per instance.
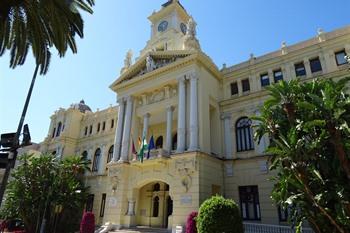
(142, 149)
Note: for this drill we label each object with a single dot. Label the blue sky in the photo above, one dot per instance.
(228, 32)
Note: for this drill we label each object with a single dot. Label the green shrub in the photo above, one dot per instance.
(218, 215)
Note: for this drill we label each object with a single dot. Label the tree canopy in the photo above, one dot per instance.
(45, 187)
(40, 25)
(308, 124)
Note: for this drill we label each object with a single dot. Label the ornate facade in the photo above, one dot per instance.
(199, 117)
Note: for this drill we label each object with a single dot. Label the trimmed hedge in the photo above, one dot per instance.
(191, 223)
(218, 215)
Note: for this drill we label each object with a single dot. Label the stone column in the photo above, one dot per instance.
(227, 135)
(101, 167)
(145, 125)
(181, 121)
(307, 68)
(194, 128)
(126, 131)
(169, 126)
(119, 131)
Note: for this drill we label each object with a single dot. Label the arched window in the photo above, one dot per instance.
(156, 187)
(159, 142)
(155, 207)
(84, 155)
(110, 154)
(97, 159)
(244, 135)
(59, 127)
(174, 146)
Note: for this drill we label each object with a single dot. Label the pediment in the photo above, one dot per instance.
(150, 63)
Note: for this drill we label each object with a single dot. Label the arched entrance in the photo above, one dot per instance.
(154, 206)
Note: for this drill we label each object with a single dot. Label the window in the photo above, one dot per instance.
(265, 80)
(156, 187)
(103, 204)
(86, 131)
(300, 69)
(249, 202)
(104, 125)
(159, 142)
(53, 132)
(244, 135)
(155, 207)
(90, 203)
(59, 127)
(277, 75)
(340, 57)
(110, 154)
(98, 127)
(90, 131)
(315, 65)
(245, 85)
(112, 123)
(97, 159)
(283, 214)
(234, 88)
(84, 155)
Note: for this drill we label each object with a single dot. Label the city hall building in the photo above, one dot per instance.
(198, 116)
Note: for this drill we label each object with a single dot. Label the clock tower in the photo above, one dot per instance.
(168, 28)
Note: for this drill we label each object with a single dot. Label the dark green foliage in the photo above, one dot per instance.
(218, 215)
(46, 187)
(40, 25)
(308, 126)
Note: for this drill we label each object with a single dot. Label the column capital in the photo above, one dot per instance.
(129, 98)
(181, 78)
(226, 115)
(147, 115)
(120, 100)
(170, 108)
(192, 76)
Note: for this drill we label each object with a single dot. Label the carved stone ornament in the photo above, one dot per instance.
(150, 65)
(127, 61)
(191, 42)
(186, 168)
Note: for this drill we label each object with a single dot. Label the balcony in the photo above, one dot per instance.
(264, 228)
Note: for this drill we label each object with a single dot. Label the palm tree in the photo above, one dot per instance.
(40, 25)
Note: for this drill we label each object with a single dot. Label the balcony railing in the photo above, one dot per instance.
(264, 228)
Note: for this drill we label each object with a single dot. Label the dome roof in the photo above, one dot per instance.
(81, 106)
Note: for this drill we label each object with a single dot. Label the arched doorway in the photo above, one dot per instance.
(154, 207)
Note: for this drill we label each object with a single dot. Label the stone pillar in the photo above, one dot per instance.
(169, 126)
(307, 68)
(181, 121)
(119, 131)
(145, 125)
(103, 158)
(227, 135)
(194, 128)
(126, 131)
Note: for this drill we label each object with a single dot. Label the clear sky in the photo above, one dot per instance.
(228, 30)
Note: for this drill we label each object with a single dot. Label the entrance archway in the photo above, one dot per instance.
(154, 206)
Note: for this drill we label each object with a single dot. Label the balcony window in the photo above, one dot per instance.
(300, 69)
(340, 57)
(315, 65)
(265, 80)
(234, 88)
(277, 75)
(245, 85)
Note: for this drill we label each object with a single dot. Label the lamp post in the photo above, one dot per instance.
(15, 146)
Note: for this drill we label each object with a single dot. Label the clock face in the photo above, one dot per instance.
(162, 26)
(183, 28)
